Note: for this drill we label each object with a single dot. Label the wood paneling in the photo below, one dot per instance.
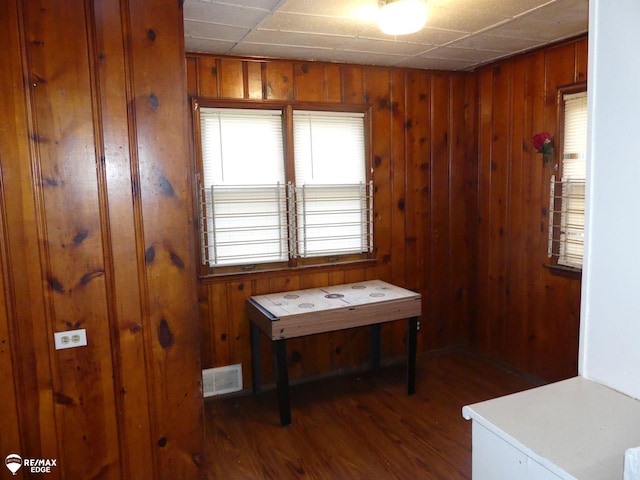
(422, 124)
(460, 210)
(526, 316)
(95, 225)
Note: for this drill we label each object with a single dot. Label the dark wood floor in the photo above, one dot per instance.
(359, 426)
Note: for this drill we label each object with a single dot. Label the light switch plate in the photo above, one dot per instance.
(70, 339)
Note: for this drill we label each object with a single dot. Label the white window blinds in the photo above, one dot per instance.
(255, 211)
(244, 214)
(332, 198)
(575, 136)
(566, 236)
(241, 146)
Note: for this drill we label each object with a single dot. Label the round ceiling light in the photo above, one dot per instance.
(401, 17)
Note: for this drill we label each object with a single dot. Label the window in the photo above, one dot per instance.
(281, 186)
(566, 235)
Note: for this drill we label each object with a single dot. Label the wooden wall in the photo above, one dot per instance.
(525, 315)
(96, 227)
(461, 209)
(95, 233)
(425, 176)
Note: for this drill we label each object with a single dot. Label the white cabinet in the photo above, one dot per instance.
(496, 459)
(576, 429)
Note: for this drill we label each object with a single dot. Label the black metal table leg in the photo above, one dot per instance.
(412, 340)
(375, 345)
(256, 359)
(282, 380)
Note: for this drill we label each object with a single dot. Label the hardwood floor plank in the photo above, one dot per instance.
(359, 425)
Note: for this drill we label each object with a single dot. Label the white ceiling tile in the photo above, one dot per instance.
(478, 56)
(506, 8)
(491, 42)
(556, 21)
(443, 17)
(262, 4)
(277, 37)
(384, 46)
(213, 31)
(366, 10)
(205, 45)
(280, 51)
(436, 63)
(426, 36)
(293, 22)
(365, 58)
(223, 13)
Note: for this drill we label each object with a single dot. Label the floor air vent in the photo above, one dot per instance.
(216, 381)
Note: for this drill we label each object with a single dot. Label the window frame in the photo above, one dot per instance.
(287, 108)
(553, 263)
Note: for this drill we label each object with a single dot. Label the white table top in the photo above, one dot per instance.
(576, 428)
(299, 302)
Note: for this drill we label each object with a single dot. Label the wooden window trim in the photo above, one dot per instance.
(552, 264)
(287, 108)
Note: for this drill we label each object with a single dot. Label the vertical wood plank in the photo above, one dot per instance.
(581, 60)
(309, 82)
(480, 331)
(538, 202)
(460, 214)
(208, 77)
(394, 333)
(10, 439)
(170, 297)
(230, 71)
(440, 275)
(418, 203)
(27, 345)
(332, 77)
(220, 329)
(499, 198)
(74, 251)
(192, 76)
(278, 80)
(239, 332)
(254, 80)
(119, 230)
(376, 84)
(352, 79)
(207, 327)
(471, 168)
(519, 210)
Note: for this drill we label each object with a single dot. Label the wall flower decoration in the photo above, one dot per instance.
(542, 143)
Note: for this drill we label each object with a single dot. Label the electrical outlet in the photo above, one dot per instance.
(70, 339)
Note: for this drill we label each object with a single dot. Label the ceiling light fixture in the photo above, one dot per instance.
(401, 17)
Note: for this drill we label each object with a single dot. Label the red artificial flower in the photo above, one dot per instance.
(542, 143)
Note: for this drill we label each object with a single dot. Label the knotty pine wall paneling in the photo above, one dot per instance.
(526, 316)
(96, 233)
(423, 159)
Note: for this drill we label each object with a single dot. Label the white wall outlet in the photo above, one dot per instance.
(70, 339)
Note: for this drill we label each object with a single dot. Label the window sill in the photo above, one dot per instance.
(253, 274)
(563, 271)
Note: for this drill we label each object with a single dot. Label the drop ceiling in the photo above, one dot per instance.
(459, 34)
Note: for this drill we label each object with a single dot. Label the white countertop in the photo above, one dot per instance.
(576, 428)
